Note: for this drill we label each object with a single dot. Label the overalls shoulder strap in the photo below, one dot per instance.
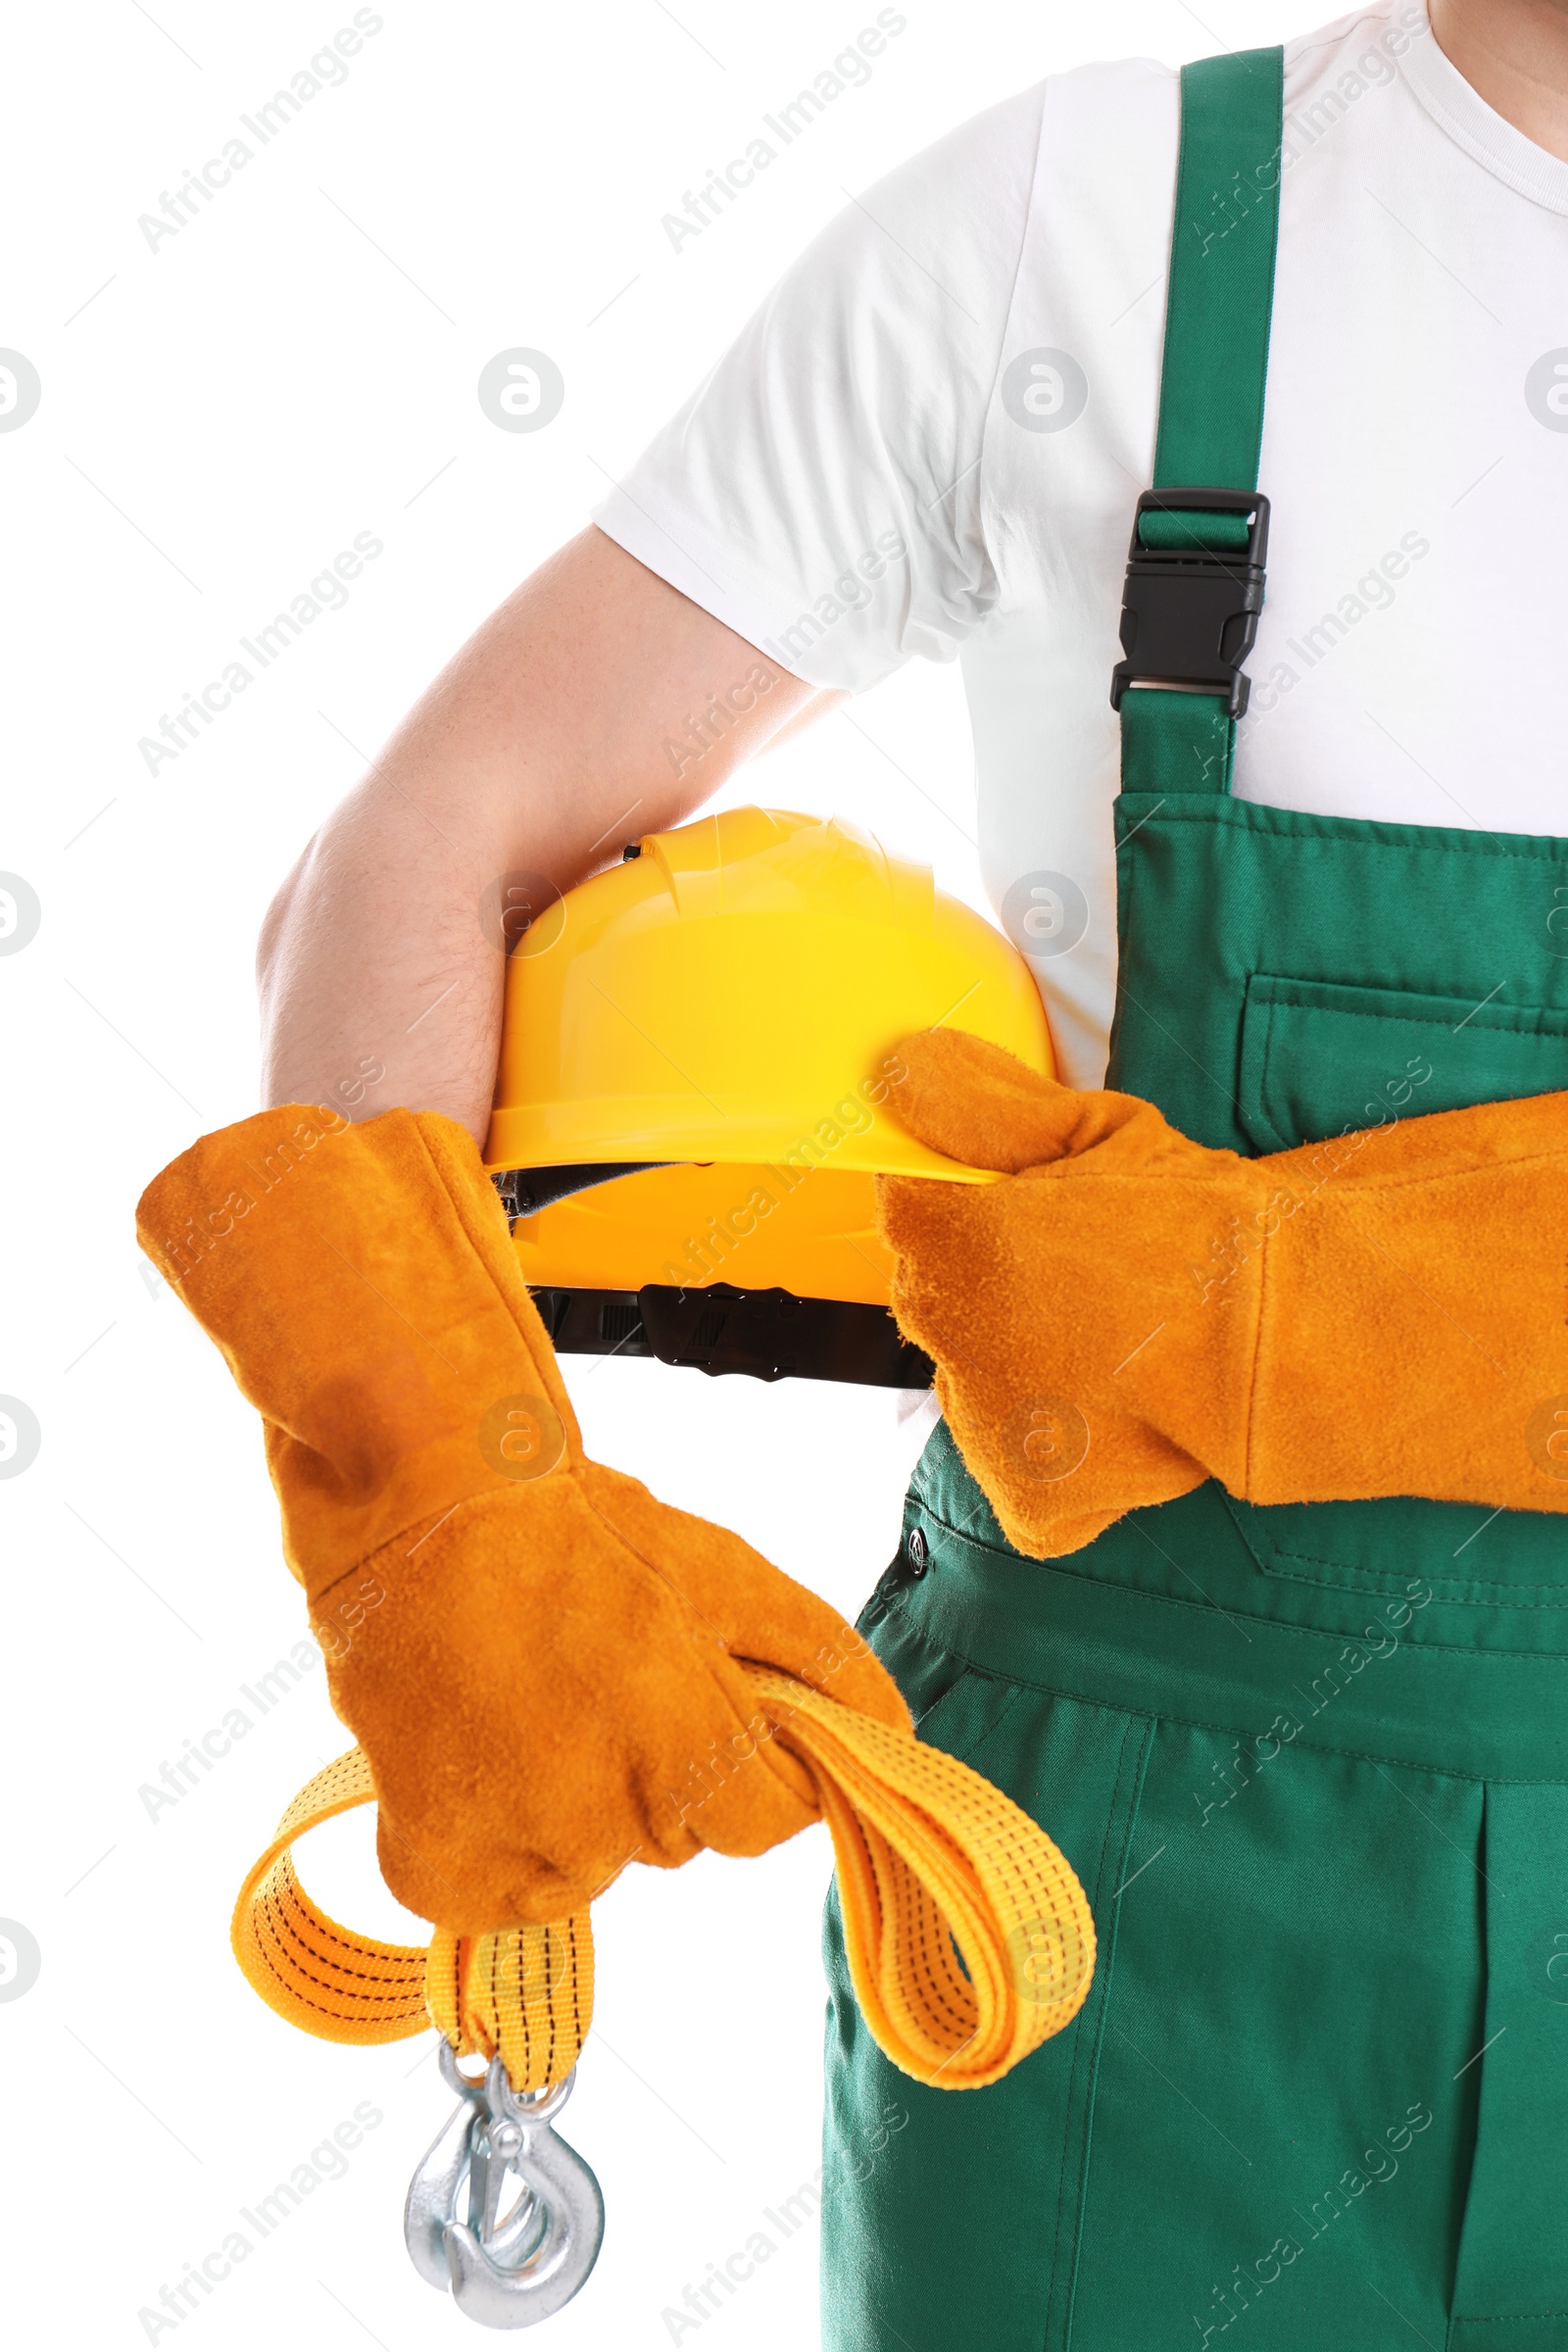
(1195, 575)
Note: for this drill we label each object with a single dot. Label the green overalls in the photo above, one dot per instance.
(1310, 1763)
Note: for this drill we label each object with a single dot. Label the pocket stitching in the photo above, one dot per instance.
(1267, 992)
(1087, 2049)
(967, 1674)
(1496, 1022)
(1461, 1592)
(1280, 1141)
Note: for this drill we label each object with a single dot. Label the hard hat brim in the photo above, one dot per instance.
(851, 1137)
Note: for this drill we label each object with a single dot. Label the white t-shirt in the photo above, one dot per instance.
(931, 437)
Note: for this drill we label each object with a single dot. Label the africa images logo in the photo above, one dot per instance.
(1546, 391)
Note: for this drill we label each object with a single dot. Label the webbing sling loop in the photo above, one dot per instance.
(969, 1937)
(969, 1941)
(1195, 575)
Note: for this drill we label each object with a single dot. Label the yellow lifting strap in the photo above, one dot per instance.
(969, 1937)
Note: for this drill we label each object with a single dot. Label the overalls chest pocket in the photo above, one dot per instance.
(1321, 1058)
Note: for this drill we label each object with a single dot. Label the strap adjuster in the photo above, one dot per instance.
(1190, 608)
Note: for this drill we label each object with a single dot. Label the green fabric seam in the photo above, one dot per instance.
(1205, 1722)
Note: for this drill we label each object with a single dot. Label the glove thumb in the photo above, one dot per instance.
(976, 1103)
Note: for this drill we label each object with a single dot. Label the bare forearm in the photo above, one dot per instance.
(541, 750)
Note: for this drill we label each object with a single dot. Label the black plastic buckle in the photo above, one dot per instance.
(1188, 615)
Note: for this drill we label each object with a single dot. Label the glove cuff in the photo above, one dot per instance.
(361, 1284)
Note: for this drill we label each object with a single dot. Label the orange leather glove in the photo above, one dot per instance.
(1128, 1313)
(537, 1657)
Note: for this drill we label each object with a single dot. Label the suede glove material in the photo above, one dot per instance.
(1129, 1314)
(536, 1655)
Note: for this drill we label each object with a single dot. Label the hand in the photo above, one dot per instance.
(1126, 1313)
(551, 1690)
(537, 1657)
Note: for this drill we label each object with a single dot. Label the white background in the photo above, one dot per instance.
(220, 416)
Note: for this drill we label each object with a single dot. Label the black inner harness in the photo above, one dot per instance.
(769, 1335)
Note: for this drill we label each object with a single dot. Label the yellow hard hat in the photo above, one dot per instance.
(691, 1102)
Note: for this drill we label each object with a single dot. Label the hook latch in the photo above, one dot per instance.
(502, 2212)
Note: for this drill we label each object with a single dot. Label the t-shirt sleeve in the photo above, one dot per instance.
(819, 493)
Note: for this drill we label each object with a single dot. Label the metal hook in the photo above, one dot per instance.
(433, 2191)
(511, 2269)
